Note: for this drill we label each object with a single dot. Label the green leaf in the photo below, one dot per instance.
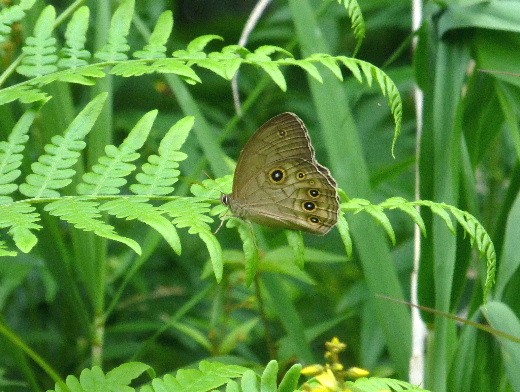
(502, 318)
(85, 215)
(236, 336)
(381, 217)
(12, 14)
(52, 171)
(199, 43)
(356, 18)
(107, 176)
(116, 47)
(160, 172)
(247, 236)
(249, 382)
(156, 46)
(178, 68)
(269, 377)
(192, 213)
(74, 54)
(290, 380)
(20, 218)
(125, 373)
(344, 232)
(142, 211)
(11, 157)
(403, 205)
(40, 49)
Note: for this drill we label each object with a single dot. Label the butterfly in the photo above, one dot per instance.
(279, 183)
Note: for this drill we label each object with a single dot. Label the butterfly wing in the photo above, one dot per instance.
(282, 137)
(278, 181)
(302, 198)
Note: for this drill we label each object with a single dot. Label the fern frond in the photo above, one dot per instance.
(156, 47)
(84, 215)
(192, 213)
(10, 157)
(40, 49)
(20, 218)
(160, 172)
(107, 176)
(74, 55)
(356, 18)
(387, 86)
(12, 14)
(116, 47)
(118, 379)
(472, 227)
(53, 170)
(139, 209)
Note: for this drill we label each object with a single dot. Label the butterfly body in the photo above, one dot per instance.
(279, 183)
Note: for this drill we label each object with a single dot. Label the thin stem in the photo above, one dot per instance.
(253, 19)
(416, 372)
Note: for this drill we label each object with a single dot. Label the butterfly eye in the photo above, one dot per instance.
(300, 175)
(314, 193)
(282, 133)
(309, 205)
(277, 175)
(314, 219)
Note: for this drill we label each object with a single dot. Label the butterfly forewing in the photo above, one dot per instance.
(282, 137)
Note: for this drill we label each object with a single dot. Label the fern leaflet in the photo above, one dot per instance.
(11, 157)
(20, 218)
(131, 208)
(107, 176)
(356, 18)
(117, 46)
(74, 55)
(53, 170)
(160, 172)
(12, 14)
(40, 49)
(84, 215)
(156, 47)
(190, 212)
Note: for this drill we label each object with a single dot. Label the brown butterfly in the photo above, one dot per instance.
(279, 183)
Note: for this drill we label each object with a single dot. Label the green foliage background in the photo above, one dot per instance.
(71, 298)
